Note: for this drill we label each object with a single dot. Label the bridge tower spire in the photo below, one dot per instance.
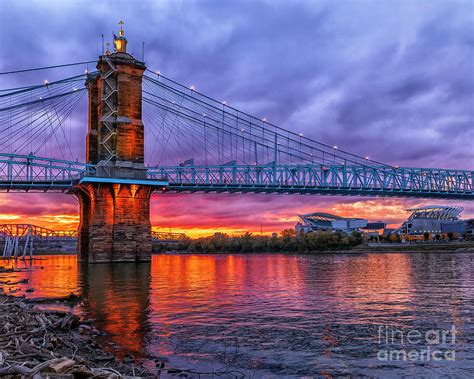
(114, 204)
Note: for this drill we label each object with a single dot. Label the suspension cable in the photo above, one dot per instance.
(46, 68)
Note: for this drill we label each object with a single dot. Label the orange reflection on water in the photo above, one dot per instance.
(305, 314)
(48, 276)
(116, 295)
(200, 289)
(377, 282)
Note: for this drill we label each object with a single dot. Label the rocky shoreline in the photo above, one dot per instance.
(37, 343)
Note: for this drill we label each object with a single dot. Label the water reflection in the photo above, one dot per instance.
(117, 298)
(47, 276)
(272, 314)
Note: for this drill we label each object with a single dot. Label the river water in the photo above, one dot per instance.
(277, 315)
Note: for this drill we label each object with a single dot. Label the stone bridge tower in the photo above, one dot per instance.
(115, 202)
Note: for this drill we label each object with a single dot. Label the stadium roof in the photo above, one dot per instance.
(440, 212)
(320, 216)
(320, 219)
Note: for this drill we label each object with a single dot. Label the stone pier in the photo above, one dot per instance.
(115, 200)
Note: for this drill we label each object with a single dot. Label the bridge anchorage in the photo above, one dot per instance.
(193, 144)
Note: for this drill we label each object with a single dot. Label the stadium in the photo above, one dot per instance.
(324, 221)
(433, 219)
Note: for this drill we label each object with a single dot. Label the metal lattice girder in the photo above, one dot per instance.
(168, 237)
(28, 172)
(107, 133)
(20, 230)
(318, 179)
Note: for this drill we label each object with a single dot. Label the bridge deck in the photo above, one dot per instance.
(30, 173)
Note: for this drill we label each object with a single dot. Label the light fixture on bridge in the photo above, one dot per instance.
(158, 73)
(301, 134)
(367, 157)
(335, 147)
(224, 103)
(120, 41)
(86, 71)
(107, 51)
(46, 82)
(264, 119)
(192, 88)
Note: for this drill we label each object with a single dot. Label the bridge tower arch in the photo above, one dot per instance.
(115, 202)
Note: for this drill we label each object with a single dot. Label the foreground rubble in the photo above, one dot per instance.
(38, 343)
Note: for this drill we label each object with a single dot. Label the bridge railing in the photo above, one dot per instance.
(18, 171)
(27, 172)
(319, 178)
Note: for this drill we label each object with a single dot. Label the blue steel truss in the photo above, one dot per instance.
(223, 150)
(319, 179)
(31, 173)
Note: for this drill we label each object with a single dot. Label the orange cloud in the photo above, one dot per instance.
(202, 215)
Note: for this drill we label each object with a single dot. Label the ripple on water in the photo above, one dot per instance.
(281, 315)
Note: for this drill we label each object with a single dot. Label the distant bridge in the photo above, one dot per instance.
(165, 238)
(21, 240)
(39, 233)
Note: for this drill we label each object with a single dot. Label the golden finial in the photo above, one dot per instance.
(121, 29)
(120, 41)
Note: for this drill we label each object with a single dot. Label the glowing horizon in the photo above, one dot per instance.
(203, 215)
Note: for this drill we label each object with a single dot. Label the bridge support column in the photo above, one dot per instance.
(115, 223)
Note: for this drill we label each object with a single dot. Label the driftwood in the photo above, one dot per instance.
(36, 343)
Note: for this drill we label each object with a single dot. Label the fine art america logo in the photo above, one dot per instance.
(415, 345)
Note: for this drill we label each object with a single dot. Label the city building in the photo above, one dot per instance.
(374, 229)
(325, 221)
(433, 219)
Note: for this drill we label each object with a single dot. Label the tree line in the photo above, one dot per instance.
(287, 241)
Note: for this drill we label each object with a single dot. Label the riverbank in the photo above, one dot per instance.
(52, 343)
(446, 247)
(364, 248)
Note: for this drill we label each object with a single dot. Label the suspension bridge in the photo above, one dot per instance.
(150, 134)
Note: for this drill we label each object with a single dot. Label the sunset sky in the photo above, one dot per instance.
(389, 79)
